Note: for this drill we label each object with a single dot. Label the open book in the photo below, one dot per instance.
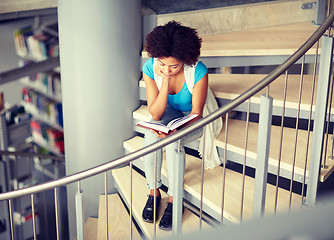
(174, 124)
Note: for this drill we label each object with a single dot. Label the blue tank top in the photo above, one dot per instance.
(183, 99)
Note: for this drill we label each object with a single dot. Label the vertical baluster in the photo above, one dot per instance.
(56, 212)
(45, 217)
(178, 193)
(244, 165)
(33, 215)
(224, 168)
(131, 200)
(328, 13)
(106, 203)
(155, 195)
(296, 133)
(263, 146)
(323, 165)
(79, 213)
(11, 218)
(325, 72)
(310, 116)
(202, 184)
(281, 140)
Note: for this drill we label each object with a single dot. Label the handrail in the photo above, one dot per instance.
(179, 134)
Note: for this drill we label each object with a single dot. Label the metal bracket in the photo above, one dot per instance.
(309, 5)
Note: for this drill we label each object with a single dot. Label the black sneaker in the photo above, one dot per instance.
(166, 220)
(148, 209)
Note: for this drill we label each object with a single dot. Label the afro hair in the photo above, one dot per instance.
(174, 40)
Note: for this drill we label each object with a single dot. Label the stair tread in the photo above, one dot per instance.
(118, 218)
(190, 222)
(268, 41)
(230, 86)
(237, 144)
(90, 229)
(213, 191)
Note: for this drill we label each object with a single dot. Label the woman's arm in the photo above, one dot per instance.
(156, 100)
(200, 91)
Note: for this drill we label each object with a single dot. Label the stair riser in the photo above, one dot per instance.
(255, 107)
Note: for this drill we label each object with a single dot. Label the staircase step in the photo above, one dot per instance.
(213, 190)
(118, 220)
(90, 229)
(122, 177)
(227, 87)
(268, 41)
(236, 144)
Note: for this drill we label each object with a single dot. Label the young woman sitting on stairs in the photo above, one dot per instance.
(176, 85)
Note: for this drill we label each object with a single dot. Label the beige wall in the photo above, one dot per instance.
(8, 6)
(236, 18)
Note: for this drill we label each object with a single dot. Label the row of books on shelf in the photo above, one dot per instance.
(45, 108)
(16, 114)
(47, 136)
(37, 47)
(48, 83)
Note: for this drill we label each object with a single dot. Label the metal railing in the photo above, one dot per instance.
(224, 110)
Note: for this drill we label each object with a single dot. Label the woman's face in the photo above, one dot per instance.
(169, 66)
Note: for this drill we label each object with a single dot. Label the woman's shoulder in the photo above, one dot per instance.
(148, 63)
(200, 71)
(201, 67)
(148, 68)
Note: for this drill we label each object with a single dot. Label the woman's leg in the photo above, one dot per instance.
(149, 159)
(173, 156)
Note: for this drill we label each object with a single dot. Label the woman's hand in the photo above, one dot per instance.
(160, 73)
(161, 134)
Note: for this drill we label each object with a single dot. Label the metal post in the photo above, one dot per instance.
(178, 194)
(33, 216)
(106, 203)
(320, 12)
(263, 145)
(11, 218)
(325, 72)
(79, 213)
(56, 213)
(202, 186)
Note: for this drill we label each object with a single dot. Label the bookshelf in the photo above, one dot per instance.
(41, 94)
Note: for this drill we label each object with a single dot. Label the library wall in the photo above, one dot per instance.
(8, 57)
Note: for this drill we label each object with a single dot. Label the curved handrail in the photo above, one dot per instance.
(179, 134)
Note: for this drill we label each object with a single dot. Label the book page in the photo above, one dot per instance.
(155, 126)
(180, 121)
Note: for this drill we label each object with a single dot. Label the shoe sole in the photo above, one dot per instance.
(147, 220)
(165, 229)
